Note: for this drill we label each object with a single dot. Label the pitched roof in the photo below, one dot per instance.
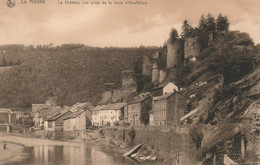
(57, 115)
(75, 114)
(98, 107)
(49, 111)
(139, 98)
(114, 106)
(163, 97)
(79, 105)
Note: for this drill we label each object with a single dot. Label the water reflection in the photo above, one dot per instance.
(72, 155)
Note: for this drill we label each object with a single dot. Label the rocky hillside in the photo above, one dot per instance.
(223, 91)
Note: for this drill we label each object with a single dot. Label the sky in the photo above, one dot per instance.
(117, 25)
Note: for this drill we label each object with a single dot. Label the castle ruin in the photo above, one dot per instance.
(191, 47)
(175, 53)
(128, 81)
(147, 66)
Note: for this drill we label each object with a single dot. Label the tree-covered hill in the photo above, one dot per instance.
(72, 73)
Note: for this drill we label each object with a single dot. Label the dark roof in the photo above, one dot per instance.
(139, 98)
(44, 112)
(57, 115)
(49, 111)
(163, 97)
(114, 106)
(75, 114)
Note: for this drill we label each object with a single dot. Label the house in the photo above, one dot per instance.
(78, 120)
(7, 116)
(79, 106)
(108, 114)
(168, 109)
(55, 122)
(164, 88)
(44, 112)
(95, 118)
(138, 109)
(151, 120)
(37, 107)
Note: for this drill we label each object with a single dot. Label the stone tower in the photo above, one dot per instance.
(156, 74)
(147, 66)
(175, 53)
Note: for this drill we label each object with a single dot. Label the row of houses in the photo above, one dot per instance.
(163, 106)
(53, 118)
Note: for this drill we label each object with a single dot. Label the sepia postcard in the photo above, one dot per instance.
(129, 82)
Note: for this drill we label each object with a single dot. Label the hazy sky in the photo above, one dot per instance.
(117, 25)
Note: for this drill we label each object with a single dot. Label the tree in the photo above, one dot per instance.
(202, 24)
(144, 117)
(173, 35)
(28, 122)
(210, 23)
(222, 23)
(186, 29)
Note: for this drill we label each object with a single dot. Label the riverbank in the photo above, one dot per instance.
(12, 152)
(15, 145)
(45, 150)
(31, 142)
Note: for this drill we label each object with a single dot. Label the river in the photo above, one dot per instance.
(98, 154)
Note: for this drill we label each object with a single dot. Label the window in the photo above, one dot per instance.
(49, 124)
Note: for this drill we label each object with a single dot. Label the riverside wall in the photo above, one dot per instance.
(171, 143)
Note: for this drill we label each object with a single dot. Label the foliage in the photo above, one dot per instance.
(187, 29)
(234, 59)
(145, 113)
(73, 73)
(28, 122)
(222, 23)
(182, 73)
(210, 23)
(202, 24)
(173, 35)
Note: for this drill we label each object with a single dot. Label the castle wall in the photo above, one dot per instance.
(191, 47)
(128, 81)
(162, 76)
(157, 55)
(173, 144)
(156, 73)
(175, 54)
(147, 66)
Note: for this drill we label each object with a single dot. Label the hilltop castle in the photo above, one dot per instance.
(177, 51)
